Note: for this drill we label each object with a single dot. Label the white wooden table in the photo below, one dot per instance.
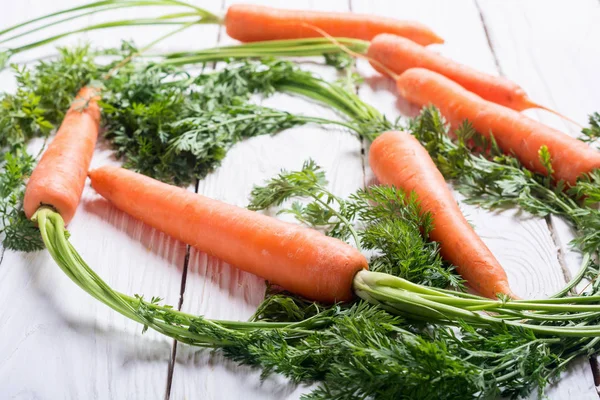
(57, 342)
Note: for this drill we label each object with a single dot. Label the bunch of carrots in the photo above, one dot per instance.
(301, 260)
(59, 184)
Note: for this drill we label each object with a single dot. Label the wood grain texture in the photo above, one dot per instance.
(60, 343)
(524, 245)
(558, 68)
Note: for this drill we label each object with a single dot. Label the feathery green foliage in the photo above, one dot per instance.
(592, 133)
(17, 231)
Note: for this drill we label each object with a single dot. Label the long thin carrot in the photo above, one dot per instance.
(514, 132)
(59, 177)
(250, 23)
(399, 54)
(299, 259)
(398, 159)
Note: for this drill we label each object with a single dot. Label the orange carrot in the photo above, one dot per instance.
(398, 159)
(59, 177)
(251, 23)
(399, 54)
(514, 132)
(299, 259)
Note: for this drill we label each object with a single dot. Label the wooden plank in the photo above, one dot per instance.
(82, 339)
(58, 341)
(218, 290)
(524, 245)
(551, 69)
(556, 67)
(517, 242)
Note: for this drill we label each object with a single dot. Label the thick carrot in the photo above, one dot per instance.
(299, 259)
(514, 132)
(398, 159)
(398, 54)
(251, 23)
(59, 177)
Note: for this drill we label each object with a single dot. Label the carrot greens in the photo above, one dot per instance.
(176, 126)
(592, 134)
(394, 341)
(18, 231)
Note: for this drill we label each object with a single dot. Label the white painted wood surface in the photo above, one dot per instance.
(59, 343)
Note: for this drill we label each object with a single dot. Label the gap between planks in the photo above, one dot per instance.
(173, 357)
(560, 256)
(184, 272)
(364, 145)
(488, 38)
(172, 360)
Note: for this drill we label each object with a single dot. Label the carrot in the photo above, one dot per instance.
(299, 259)
(398, 159)
(59, 177)
(250, 23)
(399, 54)
(514, 132)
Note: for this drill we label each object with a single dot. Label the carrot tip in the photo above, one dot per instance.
(438, 40)
(532, 104)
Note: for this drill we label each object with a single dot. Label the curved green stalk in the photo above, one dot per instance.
(270, 48)
(109, 7)
(585, 263)
(164, 319)
(393, 293)
(432, 305)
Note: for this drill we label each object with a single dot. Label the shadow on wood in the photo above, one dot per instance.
(380, 83)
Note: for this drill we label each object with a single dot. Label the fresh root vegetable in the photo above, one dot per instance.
(398, 159)
(297, 258)
(399, 54)
(250, 23)
(59, 177)
(514, 132)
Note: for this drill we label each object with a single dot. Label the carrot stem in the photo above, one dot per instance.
(386, 290)
(350, 52)
(283, 48)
